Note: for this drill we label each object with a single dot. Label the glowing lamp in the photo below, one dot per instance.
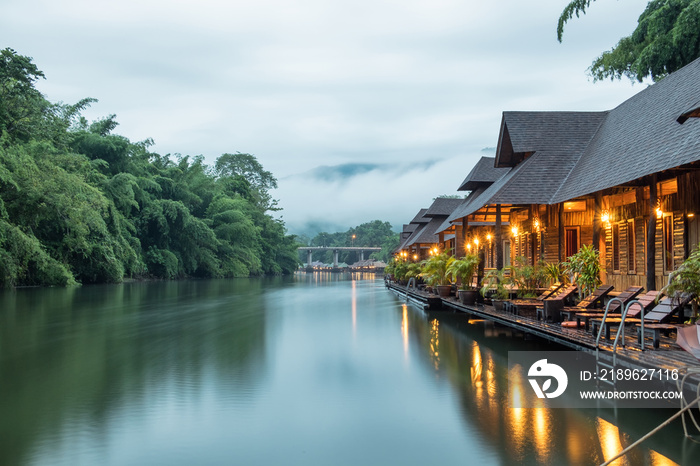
(605, 217)
(515, 231)
(659, 212)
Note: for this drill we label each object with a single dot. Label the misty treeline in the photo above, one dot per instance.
(371, 234)
(81, 204)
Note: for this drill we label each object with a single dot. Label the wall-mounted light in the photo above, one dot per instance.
(488, 237)
(469, 246)
(659, 212)
(536, 224)
(691, 215)
(605, 216)
(476, 242)
(514, 230)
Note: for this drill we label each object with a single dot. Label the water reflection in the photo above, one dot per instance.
(538, 435)
(275, 372)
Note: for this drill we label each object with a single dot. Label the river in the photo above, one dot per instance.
(313, 369)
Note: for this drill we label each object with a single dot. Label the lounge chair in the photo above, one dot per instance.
(667, 308)
(551, 307)
(589, 302)
(646, 300)
(518, 306)
(626, 296)
(657, 317)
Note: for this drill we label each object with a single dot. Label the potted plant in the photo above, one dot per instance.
(494, 284)
(435, 273)
(686, 279)
(585, 268)
(528, 278)
(464, 269)
(554, 273)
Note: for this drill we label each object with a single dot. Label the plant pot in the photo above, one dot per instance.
(444, 290)
(468, 296)
(499, 304)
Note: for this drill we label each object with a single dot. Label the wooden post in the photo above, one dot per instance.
(465, 231)
(562, 243)
(497, 239)
(651, 235)
(459, 241)
(596, 220)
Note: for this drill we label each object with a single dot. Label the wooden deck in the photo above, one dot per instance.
(668, 356)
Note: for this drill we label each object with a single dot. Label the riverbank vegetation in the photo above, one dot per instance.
(81, 204)
(370, 234)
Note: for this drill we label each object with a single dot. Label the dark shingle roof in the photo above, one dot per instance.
(428, 234)
(420, 217)
(443, 206)
(483, 173)
(523, 133)
(640, 137)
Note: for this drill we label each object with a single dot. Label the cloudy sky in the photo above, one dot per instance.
(363, 109)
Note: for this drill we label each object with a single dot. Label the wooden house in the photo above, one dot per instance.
(626, 181)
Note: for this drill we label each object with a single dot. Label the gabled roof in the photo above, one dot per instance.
(420, 217)
(640, 137)
(443, 206)
(427, 234)
(483, 174)
(524, 133)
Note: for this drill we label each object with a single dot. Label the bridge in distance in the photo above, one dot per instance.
(309, 251)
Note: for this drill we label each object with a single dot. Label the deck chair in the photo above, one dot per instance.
(552, 307)
(519, 306)
(667, 308)
(647, 301)
(589, 302)
(626, 296)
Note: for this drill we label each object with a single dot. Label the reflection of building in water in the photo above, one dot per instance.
(435, 342)
(477, 369)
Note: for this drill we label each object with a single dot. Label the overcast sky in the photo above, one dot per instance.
(362, 109)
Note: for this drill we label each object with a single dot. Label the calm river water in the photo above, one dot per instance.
(314, 369)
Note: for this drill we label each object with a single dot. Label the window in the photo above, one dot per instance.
(668, 242)
(571, 244)
(615, 231)
(631, 248)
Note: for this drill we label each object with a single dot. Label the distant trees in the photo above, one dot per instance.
(371, 234)
(666, 39)
(81, 204)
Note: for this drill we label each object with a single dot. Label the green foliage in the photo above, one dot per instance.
(435, 269)
(686, 279)
(370, 234)
(495, 283)
(528, 277)
(463, 269)
(80, 204)
(667, 38)
(554, 273)
(585, 268)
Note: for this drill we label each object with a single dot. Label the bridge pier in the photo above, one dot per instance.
(309, 259)
(362, 254)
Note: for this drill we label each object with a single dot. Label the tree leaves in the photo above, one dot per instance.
(667, 38)
(78, 203)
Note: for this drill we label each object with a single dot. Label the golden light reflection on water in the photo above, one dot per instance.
(354, 308)
(404, 331)
(657, 459)
(435, 342)
(542, 430)
(610, 444)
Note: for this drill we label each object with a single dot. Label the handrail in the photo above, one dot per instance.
(602, 326)
(641, 311)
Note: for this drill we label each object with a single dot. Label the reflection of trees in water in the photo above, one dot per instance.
(473, 357)
(76, 355)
